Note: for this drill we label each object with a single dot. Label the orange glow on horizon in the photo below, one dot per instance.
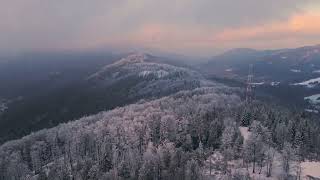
(303, 24)
(300, 29)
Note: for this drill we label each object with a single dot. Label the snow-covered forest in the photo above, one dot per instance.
(160, 90)
(206, 133)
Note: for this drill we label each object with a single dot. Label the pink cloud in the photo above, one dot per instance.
(300, 29)
(297, 26)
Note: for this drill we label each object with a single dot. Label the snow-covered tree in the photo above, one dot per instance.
(288, 156)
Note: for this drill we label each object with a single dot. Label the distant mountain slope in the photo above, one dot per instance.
(287, 74)
(37, 73)
(145, 75)
(269, 65)
(115, 84)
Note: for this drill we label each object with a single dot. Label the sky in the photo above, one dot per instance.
(189, 27)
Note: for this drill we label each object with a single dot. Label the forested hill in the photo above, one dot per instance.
(78, 91)
(169, 138)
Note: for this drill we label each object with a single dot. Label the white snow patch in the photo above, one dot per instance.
(316, 71)
(244, 132)
(312, 111)
(4, 105)
(309, 83)
(162, 73)
(284, 57)
(229, 70)
(308, 168)
(257, 83)
(311, 169)
(158, 74)
(295, 70)
(314, 99)
(145, 73)
(134, 58)
(131, 59)
(275, 83)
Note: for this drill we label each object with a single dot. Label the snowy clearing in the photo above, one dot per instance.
(295, 70)
(314, 99)
(244, 132)
(158, 74)
(257, 83)
(309, 83)
(3, 105)
(312, 111)
(276, 83)
(311, 169)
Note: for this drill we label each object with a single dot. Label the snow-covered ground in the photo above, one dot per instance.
(159, 74)
(3, 105)
(314, 99)
(244, 132)
(295, 70)
(214, 162)
(275, 83)
(312, 111)
(310, 169)
(143, 66)
(309, 83)
(257, 83)
(229, 70)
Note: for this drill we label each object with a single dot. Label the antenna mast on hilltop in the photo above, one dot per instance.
(249, 92)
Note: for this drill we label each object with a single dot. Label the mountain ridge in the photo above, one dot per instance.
(115, 84)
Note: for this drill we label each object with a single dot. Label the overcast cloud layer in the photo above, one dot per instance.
(183, 26)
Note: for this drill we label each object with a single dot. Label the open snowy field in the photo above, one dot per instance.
(309, 83)
(314, 99)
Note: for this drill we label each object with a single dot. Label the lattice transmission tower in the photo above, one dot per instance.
(249, 91)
